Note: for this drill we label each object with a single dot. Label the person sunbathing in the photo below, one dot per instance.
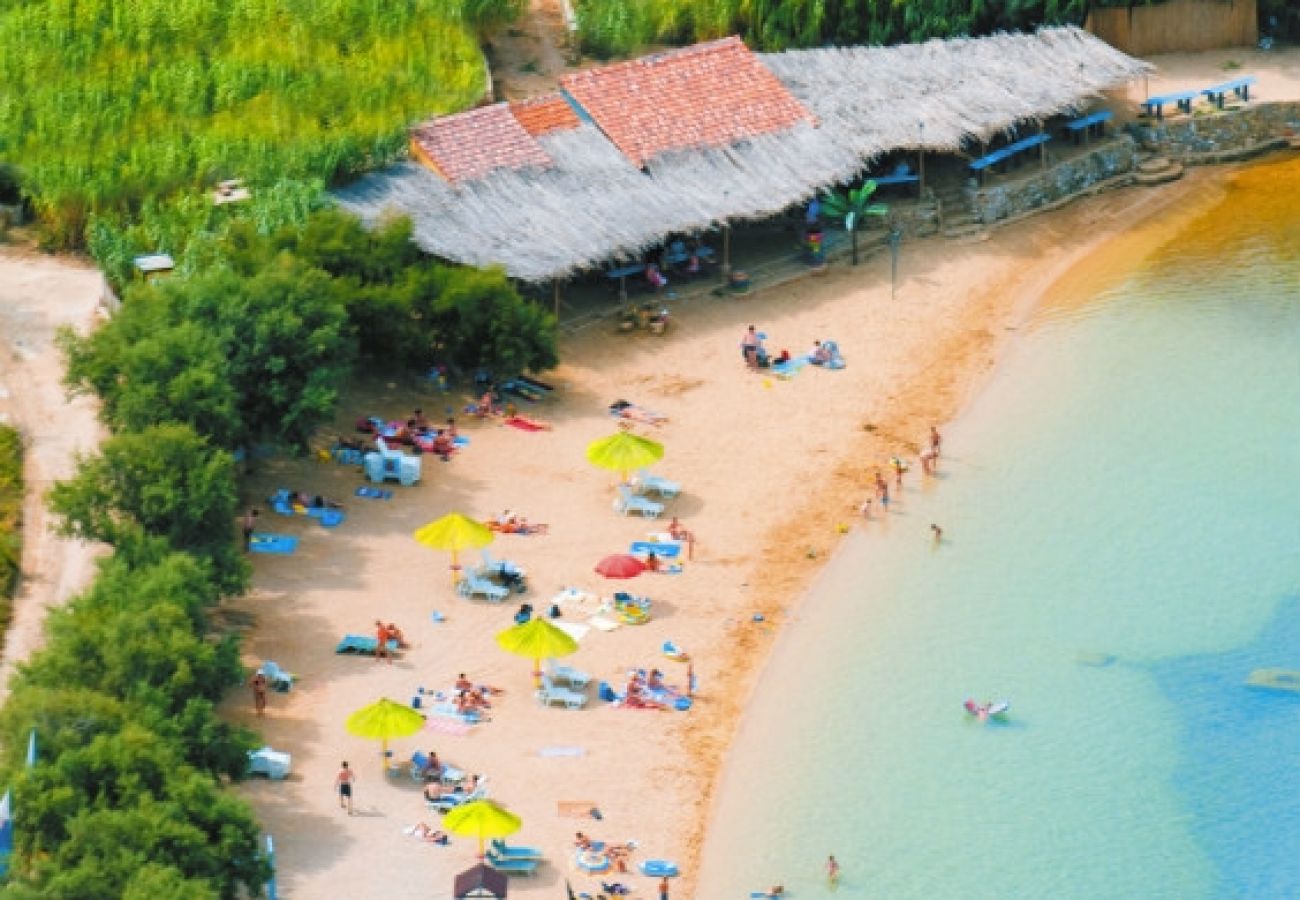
(656, 680)
(428, 833)
(530, 423)
(581, 841)
(819, 356)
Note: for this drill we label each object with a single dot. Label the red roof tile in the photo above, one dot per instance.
(542, 115)
(471, 144)
(709, 95)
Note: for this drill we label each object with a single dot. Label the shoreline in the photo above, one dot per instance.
(965, 382)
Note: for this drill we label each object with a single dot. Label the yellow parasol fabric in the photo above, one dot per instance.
(481, 819)
(623, 452)
(454, 532)
(383, 720)
(537, 639)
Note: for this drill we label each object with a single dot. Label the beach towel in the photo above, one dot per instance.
(663, 551)
(278, 544)
(791, 367)
(575, 809)
(524, 424)
(575, 630)
(460, 440)
(374, 493)
(600, 623)
(552, 752)
(446, 725)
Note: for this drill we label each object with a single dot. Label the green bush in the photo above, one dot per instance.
(109, 104)
(11, 514)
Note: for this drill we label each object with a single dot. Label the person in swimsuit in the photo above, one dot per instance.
(259, 693)
(832, 873)
(343, 784)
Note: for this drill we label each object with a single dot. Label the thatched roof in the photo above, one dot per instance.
(593, 204)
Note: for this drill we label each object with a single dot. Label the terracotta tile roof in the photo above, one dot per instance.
(471, 144)
(542, 115)
(708, 95)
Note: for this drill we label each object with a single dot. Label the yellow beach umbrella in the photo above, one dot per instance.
(454, 532)
(537, 639)
(482, 819)
(383, 720)
(623, 452)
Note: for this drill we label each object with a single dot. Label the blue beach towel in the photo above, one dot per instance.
(374, 493)
(792, 367)
(663, 551)
(460, 440)
(278, 544)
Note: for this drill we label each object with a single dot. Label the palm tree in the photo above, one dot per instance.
(851, 207)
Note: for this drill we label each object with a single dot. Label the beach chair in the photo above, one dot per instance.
(551, 694)
(451, 801)
(655, 484)
(561, 674)
(505, 851)
(627, 502)
(277, 678)
(474, 584)
(268, 762)
(512, 866)
(503, 567)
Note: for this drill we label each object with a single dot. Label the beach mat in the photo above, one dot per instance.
(791, 368)
(374, 493)
(447, 725)
(523, 424)
(555, 752)
(278, 544)
(575, 809)
(600, 623)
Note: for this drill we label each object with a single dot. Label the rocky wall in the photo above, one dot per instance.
(991, 203)
(1211, 135)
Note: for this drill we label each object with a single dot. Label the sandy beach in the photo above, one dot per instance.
(773, 471)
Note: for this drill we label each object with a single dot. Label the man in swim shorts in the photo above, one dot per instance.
(343, 784)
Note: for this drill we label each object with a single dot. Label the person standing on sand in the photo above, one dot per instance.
(381, 646)
(663, 888)
(259, 693)
(343, 784)
(247, 525)
(832, 873)
(938, 534)
(935, 441)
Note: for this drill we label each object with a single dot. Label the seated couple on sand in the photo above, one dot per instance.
(510, 523)
(388, 631)
(436, 790)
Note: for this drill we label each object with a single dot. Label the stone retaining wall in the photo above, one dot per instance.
(1074, 176)
(1219, 135)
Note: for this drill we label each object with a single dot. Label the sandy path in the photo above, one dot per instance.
(38, 295)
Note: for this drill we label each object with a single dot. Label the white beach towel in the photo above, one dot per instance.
(575, 630)
(600, 623)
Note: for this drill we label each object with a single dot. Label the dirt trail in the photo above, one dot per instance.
(38, 295)
(529, 57)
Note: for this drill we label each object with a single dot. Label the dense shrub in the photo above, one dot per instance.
(11, 511)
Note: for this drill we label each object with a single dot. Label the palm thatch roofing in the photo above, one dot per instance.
(590, 202)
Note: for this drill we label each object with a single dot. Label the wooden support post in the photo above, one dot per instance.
(1042, 153)
(920, 170)
(726, 251)
(556, 285)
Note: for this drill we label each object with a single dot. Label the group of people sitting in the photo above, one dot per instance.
(647, 690)
(511, 523)
(437, 790)
(301, 500)
(472, 698)
(616, 853)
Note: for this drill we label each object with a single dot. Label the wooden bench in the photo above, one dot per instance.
(1156, 105)
(677, 255)
(1086, 124)
(1238, 86)
(1003, 154)
(620, 275)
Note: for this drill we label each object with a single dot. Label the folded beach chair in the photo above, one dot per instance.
(505, 851)
(655, 484)
(276, 677)
(551, 694)
(502, 567)
(561, 674)
(268, 762)
(512, 866)
(473, 584)
(627, 502)
(362, 644)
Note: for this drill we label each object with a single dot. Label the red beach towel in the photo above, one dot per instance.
(524, 424)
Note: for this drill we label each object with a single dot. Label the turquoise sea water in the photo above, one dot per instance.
(1121, 508)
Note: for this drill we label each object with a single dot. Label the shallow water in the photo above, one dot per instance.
(1121, 509)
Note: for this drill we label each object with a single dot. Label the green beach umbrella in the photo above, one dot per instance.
(384, 720)
(623, 452)
(454, 532)
(482, 819)
(537, 639)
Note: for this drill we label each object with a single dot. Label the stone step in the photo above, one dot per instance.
(965, 230)
(1171, 171)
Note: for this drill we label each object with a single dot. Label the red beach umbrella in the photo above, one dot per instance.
(620, 565)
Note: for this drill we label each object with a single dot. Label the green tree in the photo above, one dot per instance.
(165, 481)
(852, 208)
(476, 318)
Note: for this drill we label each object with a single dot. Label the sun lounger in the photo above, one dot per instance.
(655, 484)
(277, 544)
(277, 678)
(448, 710)
(502, 567)
(627, 502)
(451, 801)
(474, 584)
(568, 675)
(512, 866)
(362, 644)
(658, 868)
(790, 367)
(505, 851)
(268, 762)
(551, 694)
(661, 550)
(448, 775)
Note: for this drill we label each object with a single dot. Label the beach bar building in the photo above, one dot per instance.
(624, 155)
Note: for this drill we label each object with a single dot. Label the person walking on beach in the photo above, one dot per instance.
(663, 888)
(247, 525)
(938, 534)
(259, 692)
(832, 873)
(935, 441)
(343, 784)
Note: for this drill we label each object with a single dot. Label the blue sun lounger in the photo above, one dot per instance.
(278, 544)
(663, 551)
(512, 866)
(505, 851)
